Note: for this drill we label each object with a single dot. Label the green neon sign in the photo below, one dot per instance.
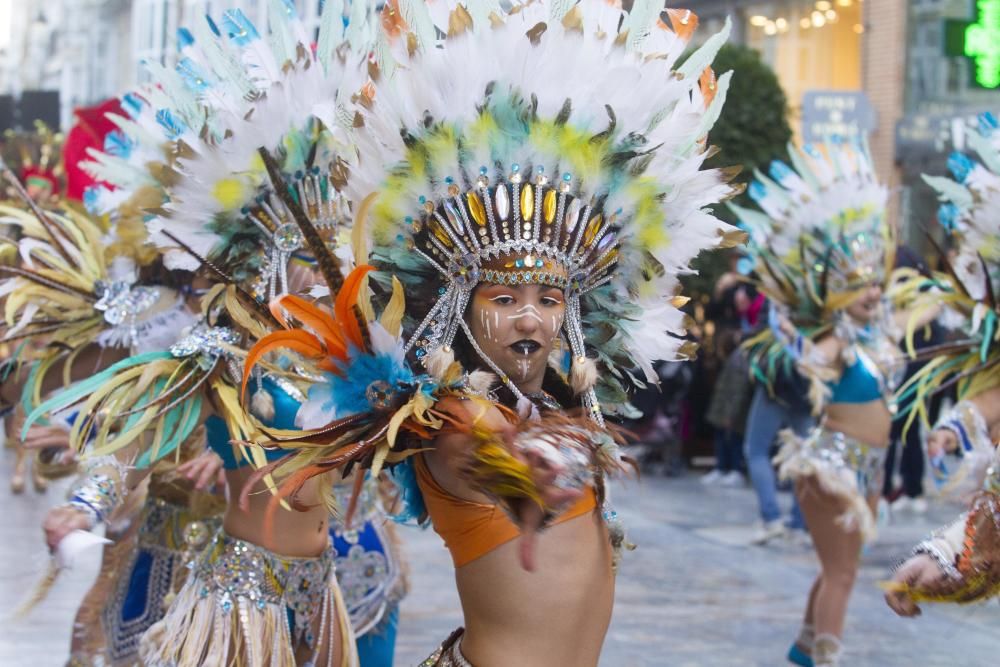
(982, 43)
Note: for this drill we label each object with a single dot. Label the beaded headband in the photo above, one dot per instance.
(539, 228)
(856, 262)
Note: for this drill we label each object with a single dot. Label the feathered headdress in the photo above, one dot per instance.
(820, 234)
(236, 157)
(970, 214)
(232, 161)
(35, 158)
(556, 143)
(817, 240)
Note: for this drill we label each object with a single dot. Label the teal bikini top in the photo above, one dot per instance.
(285, 407)
(863, 381)
(857, 384)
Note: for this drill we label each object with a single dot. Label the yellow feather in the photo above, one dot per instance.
(392, 315)
(229, 192)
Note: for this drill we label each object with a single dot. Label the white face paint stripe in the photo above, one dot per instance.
(527, 311)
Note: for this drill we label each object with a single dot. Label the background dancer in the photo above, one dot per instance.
(213, 163)
(823, 252)
(961, 561)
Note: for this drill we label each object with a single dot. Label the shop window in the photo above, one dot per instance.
(811, 44)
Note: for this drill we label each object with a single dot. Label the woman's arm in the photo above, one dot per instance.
(101, 487)
(533, 470)
(945, 436)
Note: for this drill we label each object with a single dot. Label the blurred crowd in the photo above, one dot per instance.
(714, 413)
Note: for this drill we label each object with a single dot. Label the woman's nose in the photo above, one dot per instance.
(527, 319)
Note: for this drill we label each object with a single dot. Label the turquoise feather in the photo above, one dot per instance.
(86, 387)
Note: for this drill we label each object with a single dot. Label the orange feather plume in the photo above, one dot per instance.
(343, 307)
(329, 335)
(708, 85)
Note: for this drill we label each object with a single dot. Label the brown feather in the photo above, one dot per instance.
(328, 263)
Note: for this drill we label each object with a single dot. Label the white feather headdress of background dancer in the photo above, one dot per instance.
(557, 143)
(190, 159)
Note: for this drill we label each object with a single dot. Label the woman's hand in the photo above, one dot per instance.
(920, 571)
(45, 437)
(559, 473)
(205, 470)
(60, 522)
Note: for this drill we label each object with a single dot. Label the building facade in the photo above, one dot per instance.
(926, 67)
(89, 50)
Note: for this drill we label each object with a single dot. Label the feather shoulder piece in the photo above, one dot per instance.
(364, 396)
(67, 288)
(154, 399)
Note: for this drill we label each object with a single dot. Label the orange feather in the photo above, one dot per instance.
(346, 299)
(320, 321)
(298, 340)
(683, 21)
(708, 85)
(277, 312)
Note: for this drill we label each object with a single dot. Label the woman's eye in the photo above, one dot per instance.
(502, 300)
(550, 301)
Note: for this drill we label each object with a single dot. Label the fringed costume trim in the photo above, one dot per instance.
(244, 606)
(844, 467)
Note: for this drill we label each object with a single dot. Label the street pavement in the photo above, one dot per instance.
(693, 593)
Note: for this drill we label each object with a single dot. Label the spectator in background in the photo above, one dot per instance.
(661, 428)
(732, 304)
(727, 413)
(735, 307)
(788, 407)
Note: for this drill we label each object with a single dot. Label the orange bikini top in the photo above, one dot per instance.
(471, 530)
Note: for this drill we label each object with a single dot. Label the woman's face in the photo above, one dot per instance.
(516, 327)
(866, 307)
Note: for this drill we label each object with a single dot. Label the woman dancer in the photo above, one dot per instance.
(80, 303)
(263, 591)
(824, 266)
(961, 562)
(523, 212)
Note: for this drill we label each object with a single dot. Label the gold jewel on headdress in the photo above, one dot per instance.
(543, 234)
(856, 262)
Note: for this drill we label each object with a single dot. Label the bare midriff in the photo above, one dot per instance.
(290, 532)
(556, 615)
(869, 422)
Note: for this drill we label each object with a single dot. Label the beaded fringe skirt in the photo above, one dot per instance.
(844, 467)
(244, 606)
(169, 536)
